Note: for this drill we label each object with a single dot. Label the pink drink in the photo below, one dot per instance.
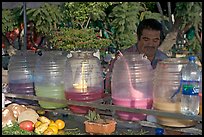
(145, 103)
(132, 86)
(22, 88)
(91, 94)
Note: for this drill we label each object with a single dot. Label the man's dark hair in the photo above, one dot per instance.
(150, 24)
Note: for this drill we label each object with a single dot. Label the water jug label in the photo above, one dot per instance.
(190, 88)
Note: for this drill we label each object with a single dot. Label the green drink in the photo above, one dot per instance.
(49, 91)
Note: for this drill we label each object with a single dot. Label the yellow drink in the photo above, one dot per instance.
(160, 104)
(200, 105)
(49, 91)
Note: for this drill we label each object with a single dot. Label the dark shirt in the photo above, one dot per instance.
(159, 55)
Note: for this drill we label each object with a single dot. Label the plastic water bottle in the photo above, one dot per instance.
(190, 79)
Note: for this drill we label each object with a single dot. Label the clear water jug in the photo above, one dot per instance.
(49, 78)
(20, 75)
(132, 85)
(83, 80)
(167, 91)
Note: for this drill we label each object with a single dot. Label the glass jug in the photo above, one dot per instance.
(132, 84)
(166, 91)
(83, 79)
(49, 78)
(20, 75)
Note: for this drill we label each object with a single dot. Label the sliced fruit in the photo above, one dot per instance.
(37, 124)
(53, 124)
(60, 123)
(52, 121)
(44, 119)
(54, 129)
(61, 132)
(48, 131)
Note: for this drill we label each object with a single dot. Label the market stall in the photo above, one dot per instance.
(75, 122)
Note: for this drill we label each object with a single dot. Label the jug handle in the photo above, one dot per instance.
(177, 91)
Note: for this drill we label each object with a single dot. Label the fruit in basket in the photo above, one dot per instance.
(44, 119)
(60, 123)
(52, 121)
(29, 114)
(48, 131)
(54, 129)
(38, 123)
(61, 132)
(27, 125)
(41, 128)
(53, 124)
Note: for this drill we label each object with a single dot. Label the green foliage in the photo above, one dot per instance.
(194, 47)
(125, 17)
(189, 12)
(127, 40)
(81, 12)
(45, 17)
(150, 6)
(152, 15)
(15, 130)
(92, 116)
(9, 20)
(70, 39)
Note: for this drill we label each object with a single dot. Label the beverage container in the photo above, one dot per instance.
(20, 75)
(83, 80)
(49, 78)
(190, 80)
(131, 85)
(167, 91)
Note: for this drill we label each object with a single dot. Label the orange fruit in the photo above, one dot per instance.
(53, 124)
(48, 131)
(37, 124)
(52, 121)
(54, 129)
(60, 123)
(61, 132)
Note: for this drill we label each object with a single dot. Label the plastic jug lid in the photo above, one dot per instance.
(191, 58)
(159, 131)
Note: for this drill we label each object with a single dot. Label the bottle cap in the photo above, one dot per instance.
(191, 58)
(159, 131)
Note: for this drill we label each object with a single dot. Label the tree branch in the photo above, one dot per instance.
(159, 8)
(81, 25)
(161, 12)
(169, 14)
(197, 35)
(87, 22)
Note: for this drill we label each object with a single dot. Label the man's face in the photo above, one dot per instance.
(149, 42)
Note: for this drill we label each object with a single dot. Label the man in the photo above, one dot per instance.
(150, 36)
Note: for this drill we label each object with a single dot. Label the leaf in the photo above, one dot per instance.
(30, 11)
(36, 12)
